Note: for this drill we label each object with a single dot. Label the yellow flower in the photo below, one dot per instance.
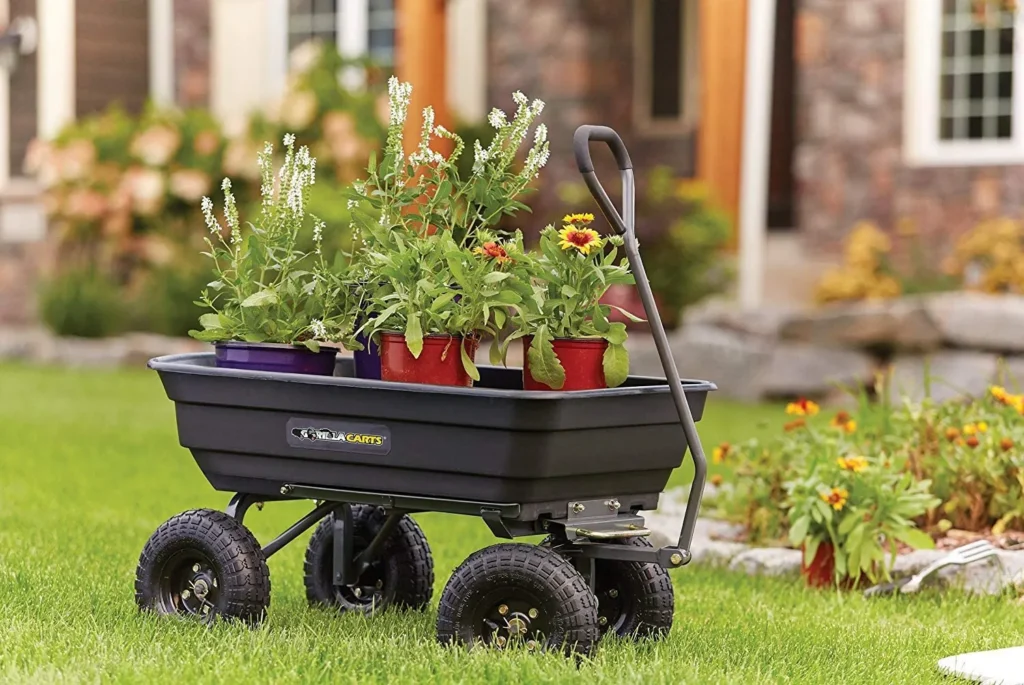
(855, 464)
(999, 394)
(578, 219)
(719, 454)
(836, 498)
(975, 428)
(582, 239)
(802, 407)
(843, 422)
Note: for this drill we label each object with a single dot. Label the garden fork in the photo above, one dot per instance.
(961, 556)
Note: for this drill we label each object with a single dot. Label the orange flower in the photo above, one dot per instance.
(493, 251)
(972, 441)
(844, 422)
(719, 454)
(952, 434)
(716, 480)
(999, 393)
(794, 425)
(974, 428)
(802, 407)
(1006, 444)
(855, 464)
(836, 498)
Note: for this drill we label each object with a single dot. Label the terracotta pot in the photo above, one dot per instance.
(440, 363)
(582, 359)
(822, 569)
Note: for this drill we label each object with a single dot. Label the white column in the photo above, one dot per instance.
(5, 108)
(353, 36)
(275, 48)
(161, 52)
(467, 59)
(241, 72)
(757, 122)
(56, 65)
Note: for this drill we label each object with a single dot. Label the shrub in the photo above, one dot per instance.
(82, 302)
(165, 300)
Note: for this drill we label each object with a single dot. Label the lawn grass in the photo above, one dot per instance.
(89, 466)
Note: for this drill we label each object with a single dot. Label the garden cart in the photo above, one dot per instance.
(577, 467)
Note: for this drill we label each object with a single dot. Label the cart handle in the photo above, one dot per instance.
(624, 225)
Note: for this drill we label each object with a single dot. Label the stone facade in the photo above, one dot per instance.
(849, 162)
(577, 56)
(192, 53)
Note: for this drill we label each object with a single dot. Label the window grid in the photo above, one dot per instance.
(976, 74)
(318, 20)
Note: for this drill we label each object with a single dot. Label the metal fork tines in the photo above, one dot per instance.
(967, 554)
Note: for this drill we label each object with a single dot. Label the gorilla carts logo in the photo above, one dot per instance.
(326, 435)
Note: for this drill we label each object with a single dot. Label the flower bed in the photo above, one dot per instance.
(877, 480)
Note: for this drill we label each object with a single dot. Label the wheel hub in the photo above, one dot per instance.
(189, 586)
(514, 621)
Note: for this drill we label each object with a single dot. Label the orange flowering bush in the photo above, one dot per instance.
(883, 475)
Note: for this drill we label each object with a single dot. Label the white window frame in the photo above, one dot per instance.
(922, 80)
(690, 91)
(352, 31)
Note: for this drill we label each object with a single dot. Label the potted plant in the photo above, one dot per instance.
(435, 274)
(270, 304)
(848, 516)
(435, 302)
(569, 343)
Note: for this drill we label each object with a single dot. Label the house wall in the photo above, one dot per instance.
(577, 56)
(849, 162)
(111, 55)
(192, 52)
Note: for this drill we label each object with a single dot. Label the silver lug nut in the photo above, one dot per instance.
(613, 593)
(578, 507)
(185, 594)
(358, 592)
(379, 584)
(503, 609)
(613, 504)
(603, 620)
(533, 613)
(500, 641)
(195, 568)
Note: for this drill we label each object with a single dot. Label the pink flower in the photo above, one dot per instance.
(240, 160)
(84, 204)
(189, 184)
(298, 110)
(206, 143)
(75, 160)
(156, 145)
(146, 187)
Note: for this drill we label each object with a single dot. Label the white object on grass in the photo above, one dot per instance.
(999, 667)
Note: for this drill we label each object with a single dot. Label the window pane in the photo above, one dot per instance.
(380, 21)
(976, 79)
(666, 59)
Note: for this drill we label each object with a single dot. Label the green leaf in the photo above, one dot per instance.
(260, 299)
(616, 334)
(215, 285)
(849, 522)
(442, 299)
(631, 317)
(918, 539)
(810, 550)
(616, 365)
(494, 354)
(496, 277)
(467, 363)
(414, 336)
(211, 335)
(798, 531)
(254, 337)
(568, 291)
(544, 364)
(600, 320)
(311, 345)
(210, 321)
(508, 297)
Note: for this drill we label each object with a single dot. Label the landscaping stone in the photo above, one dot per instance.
(732, 360)
(895, 324)
(767, 561)
(806, 370)
(979, 321)
(36, 345)
(953, 373)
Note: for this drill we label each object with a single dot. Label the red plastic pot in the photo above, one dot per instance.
(440, 363)
(582, 359)
(822, 569)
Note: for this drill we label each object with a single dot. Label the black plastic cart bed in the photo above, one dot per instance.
(577, 466)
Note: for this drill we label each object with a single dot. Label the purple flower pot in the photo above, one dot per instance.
(367, 360)
(275, 357)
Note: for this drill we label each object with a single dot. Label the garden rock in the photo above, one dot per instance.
(768, 561)
(990, 577)
(806, 370)
(979, 321)
(732, 360)
(899, 324)
(952, 373)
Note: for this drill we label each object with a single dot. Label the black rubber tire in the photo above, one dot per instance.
(405, 567)
(644, 605)
(233, 570)
(645, 601)
(509, 573)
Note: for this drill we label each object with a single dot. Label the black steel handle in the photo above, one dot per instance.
(624, 224)
(581, 148)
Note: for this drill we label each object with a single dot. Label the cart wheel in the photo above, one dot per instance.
(634, 600)
(519, 594)
(203, 564)
(401, 577)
